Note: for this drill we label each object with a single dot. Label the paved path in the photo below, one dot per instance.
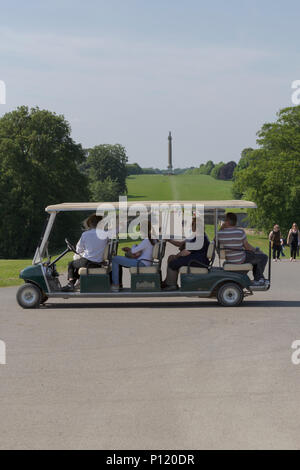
(179, 375)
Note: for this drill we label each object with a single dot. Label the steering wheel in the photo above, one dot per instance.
(70, 246)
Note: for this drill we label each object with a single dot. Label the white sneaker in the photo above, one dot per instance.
(260, 282)
(115, 288)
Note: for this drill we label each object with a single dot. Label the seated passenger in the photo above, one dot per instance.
(197, 258)
(142, 251)
(90, 249)
(238, 250)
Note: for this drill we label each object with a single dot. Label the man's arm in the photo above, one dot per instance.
(130, 254)
(223, 225)
(136, 254)
(184, 253)
(80, 247)
(247, 245)
(177, 243)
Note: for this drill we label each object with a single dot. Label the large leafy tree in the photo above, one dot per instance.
(38, 166)
(107, 172)
(216, 170)
(271, 176)
(243, 163)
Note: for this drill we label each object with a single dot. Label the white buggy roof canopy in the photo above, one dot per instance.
(92, 206)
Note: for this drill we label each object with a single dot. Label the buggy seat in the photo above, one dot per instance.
(201, 269)
(105, 267)
(158, 253)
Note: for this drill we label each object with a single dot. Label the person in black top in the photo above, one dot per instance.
(293, 241)
(184, 258)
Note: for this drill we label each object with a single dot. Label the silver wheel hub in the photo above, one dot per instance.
(29, 296)
(230, 295)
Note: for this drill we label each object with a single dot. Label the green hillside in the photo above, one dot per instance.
(179, 187)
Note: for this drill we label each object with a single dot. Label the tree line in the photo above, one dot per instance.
(136, 169)
(219, 171)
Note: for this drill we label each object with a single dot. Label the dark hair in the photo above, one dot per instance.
(231, 218)
(93, 220)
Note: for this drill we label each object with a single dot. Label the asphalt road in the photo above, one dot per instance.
(183, 374)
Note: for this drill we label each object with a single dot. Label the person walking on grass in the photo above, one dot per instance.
(293, 240)
(276, 242)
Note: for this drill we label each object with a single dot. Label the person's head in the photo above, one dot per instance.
(295, 226)
(276, 228)
(93, 221)
(231, 219)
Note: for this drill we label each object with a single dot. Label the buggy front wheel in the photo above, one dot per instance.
(29, 296)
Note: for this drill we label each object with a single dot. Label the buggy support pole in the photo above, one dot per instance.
(40, 249)
(216, 231)
(269, 267)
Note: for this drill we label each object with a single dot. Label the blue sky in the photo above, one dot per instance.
(128, 71)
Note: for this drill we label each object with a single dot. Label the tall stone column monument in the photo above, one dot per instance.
(170, 164)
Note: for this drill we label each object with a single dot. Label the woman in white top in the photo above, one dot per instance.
(138, 254)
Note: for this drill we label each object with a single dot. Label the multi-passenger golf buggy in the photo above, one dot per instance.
(228, 283)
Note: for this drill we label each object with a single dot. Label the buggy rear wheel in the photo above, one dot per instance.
(230, 295)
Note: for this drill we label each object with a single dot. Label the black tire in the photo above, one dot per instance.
(29, 296)
(230, 295)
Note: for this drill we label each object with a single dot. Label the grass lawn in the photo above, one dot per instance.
(9, 271)
(10, 268)
(179, 187)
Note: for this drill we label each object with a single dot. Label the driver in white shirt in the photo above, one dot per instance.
(90, 248)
